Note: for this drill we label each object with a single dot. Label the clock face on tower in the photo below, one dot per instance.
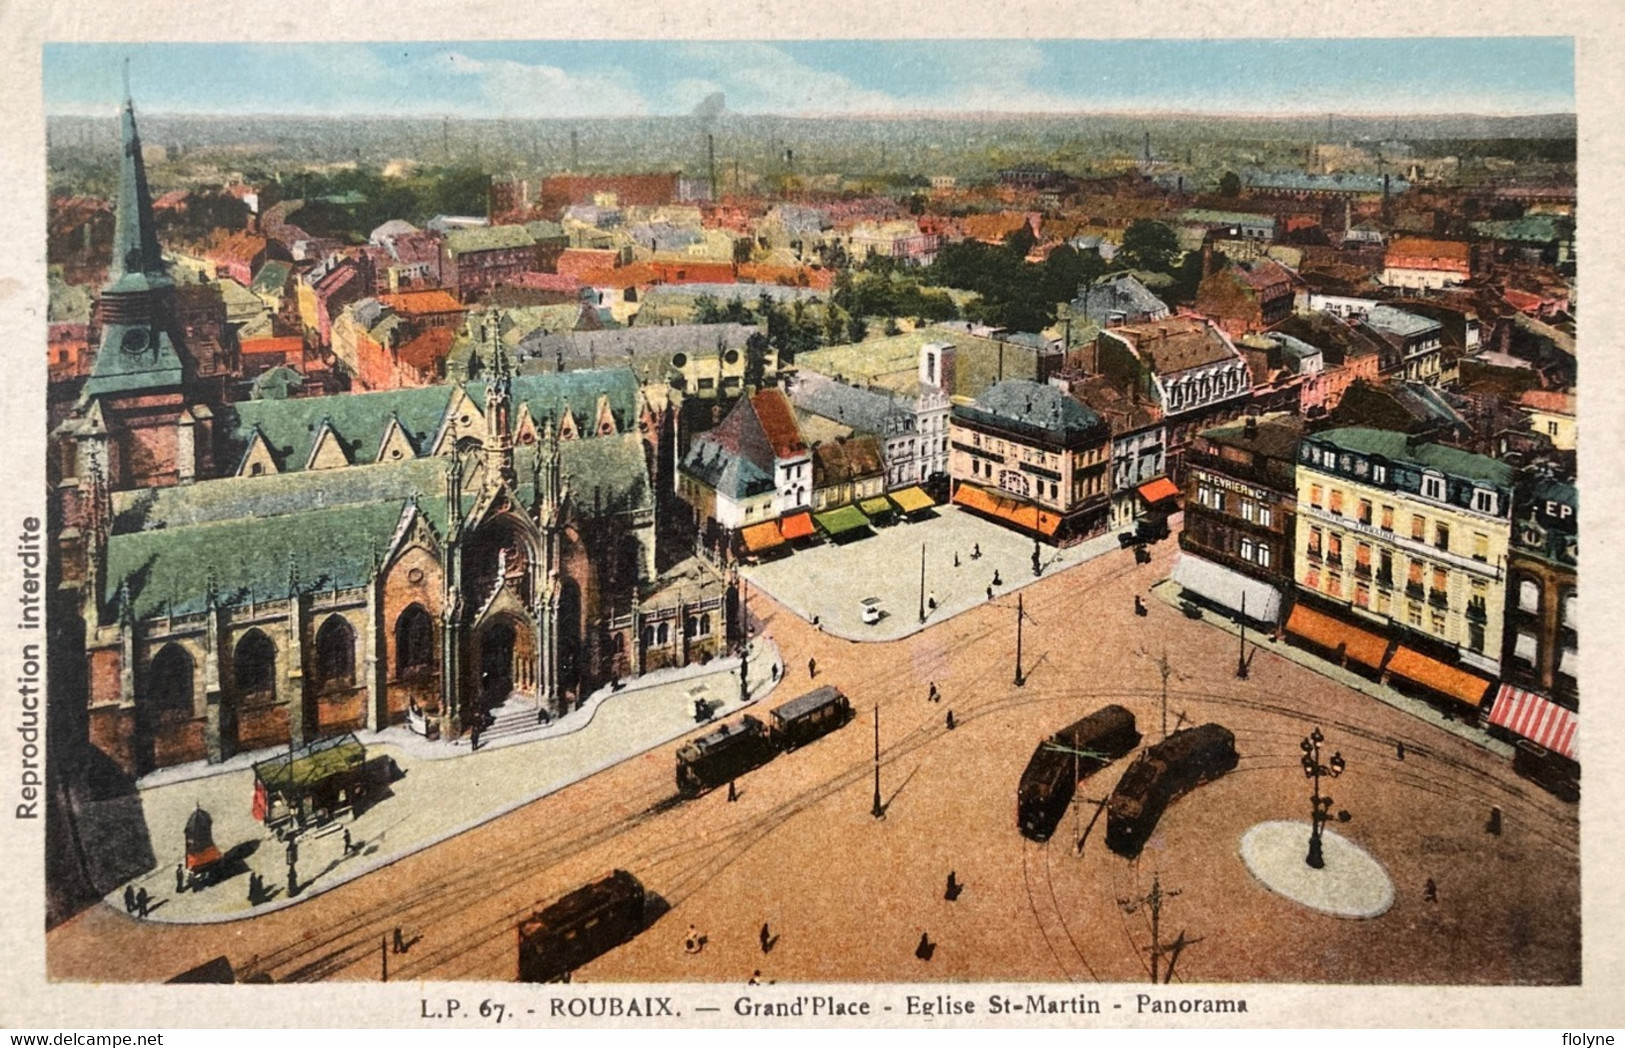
(134, 341)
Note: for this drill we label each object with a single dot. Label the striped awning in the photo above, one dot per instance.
(1537, 719)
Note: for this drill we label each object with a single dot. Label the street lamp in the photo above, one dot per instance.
(878, 810)
(1320, 806)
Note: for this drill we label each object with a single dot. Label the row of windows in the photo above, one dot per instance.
(1383, 517)
(1484, 500)
(1184, 392)
(1253, 511)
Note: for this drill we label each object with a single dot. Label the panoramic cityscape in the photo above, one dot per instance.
(753, 513)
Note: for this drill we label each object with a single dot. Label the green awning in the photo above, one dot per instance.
(311, 765)
(840, 521)
(876, 506)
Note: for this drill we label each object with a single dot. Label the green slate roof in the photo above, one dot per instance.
(1396, 448)
(168, 569)
(243, 531)
(134, 357)
(291, 426)
(547, 393)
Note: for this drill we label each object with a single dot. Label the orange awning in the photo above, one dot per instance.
(1158, 490)
(1015, 511)
(1458, 684)
(796, 526)
(764, 536)
(199, 859)
(1365, 648)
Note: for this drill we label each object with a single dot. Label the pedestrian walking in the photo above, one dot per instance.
(953, 889)
(950, 720)
(397, 941)
(926, 947)
(1399, 750)
(932, 694)
(129, 898)
(180, 878)
(996, 580)
(956, 558)
(812, 667)
(1139, 606)
(253, 888)
(1494, 825)
(766, 937)
(346, 840)
(990, 593)
(142, 902)
(775, 671)
(931, 602)
(1430, 891)
(976, 552)
(733, 792)
(474, 735)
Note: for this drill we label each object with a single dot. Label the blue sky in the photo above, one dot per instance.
(630, 78)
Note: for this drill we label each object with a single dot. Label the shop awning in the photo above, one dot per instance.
(841, 521)
(876, 507)
(1015, 511)
(1458, 684)
(1228, 588)
(912, 500)
(761, 537)
(1324, 631)
(1159, 490)
(1537, 719)
(796, 526)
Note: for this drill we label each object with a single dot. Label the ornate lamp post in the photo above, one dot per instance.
(1321, 806)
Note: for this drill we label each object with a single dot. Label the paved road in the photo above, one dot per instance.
(849, 895)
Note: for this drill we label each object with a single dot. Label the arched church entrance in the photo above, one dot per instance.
(505, 661)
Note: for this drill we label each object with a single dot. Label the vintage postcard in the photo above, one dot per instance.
(694, 524)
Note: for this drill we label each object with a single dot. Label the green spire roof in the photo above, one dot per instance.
(138, 262)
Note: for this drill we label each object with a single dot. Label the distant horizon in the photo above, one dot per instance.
(1493, 77)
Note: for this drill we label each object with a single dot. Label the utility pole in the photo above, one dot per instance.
(922, 583)
(877, 811)
(1241, 657)
(1153, 900)
(1165, 669)
(1021, 681)
(744, 640)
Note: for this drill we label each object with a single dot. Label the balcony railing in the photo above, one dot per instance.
(1439, 598)
(1413, 590)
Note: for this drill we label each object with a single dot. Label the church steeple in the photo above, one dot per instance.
(138, 262)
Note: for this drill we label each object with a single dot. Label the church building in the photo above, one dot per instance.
(254, 573)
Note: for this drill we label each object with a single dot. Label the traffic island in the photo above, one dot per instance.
(1351, 884)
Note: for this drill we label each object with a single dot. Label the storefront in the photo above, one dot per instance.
(1229, 590)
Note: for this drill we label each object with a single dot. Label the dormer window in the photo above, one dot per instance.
(1433, 487)
(1484, 501)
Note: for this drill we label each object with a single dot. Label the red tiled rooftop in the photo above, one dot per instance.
(779, 423)
(428, 300)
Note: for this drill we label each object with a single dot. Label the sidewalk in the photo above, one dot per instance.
(832, 582)
(1169, 592)
(445, 789)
